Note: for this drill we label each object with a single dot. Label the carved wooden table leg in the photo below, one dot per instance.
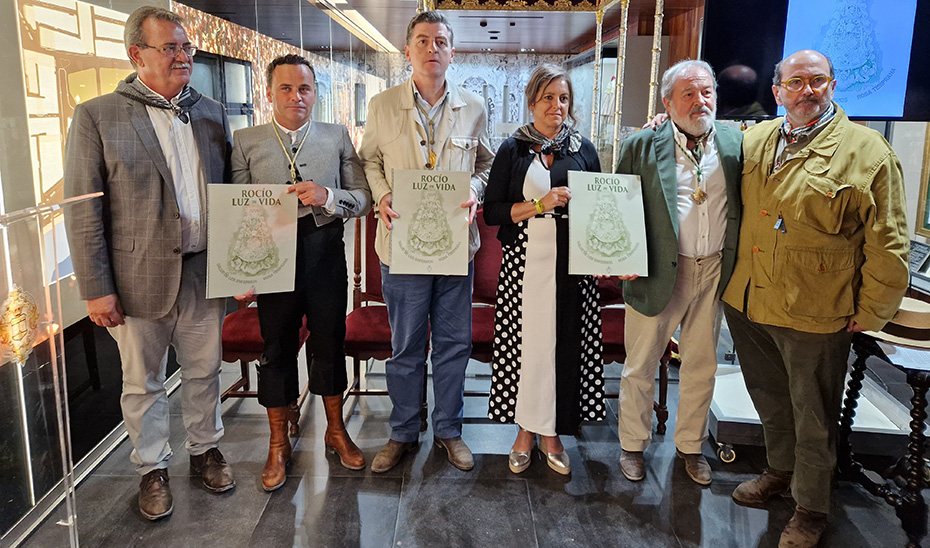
(908, 502)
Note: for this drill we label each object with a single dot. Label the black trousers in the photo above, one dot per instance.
(320, 293)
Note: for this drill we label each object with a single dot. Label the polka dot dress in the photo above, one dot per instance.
(586, 370)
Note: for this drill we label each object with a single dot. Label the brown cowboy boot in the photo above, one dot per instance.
(336, 439)
(293, 417)
(279, 450)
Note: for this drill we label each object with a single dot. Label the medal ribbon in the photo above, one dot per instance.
(292, 161)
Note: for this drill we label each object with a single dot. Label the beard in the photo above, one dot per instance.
(699, 126)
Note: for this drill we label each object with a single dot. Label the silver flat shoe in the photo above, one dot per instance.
(557, 461)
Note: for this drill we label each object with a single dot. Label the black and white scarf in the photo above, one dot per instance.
(133, 88)
(567, 138)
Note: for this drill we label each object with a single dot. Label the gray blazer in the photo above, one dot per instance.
(651, 154)
(129, 242)
(327, 158)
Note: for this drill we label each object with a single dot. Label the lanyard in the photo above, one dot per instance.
(698, 196)
(292, 160)
(432, 134)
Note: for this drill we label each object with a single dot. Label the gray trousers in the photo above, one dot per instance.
(795, 380)
(194, 328)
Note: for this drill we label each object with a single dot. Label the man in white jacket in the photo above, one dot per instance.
(426, 123)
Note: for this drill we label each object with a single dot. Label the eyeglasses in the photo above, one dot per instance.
(172, 50)
(817, 83)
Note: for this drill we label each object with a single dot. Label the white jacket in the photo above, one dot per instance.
(396, 139)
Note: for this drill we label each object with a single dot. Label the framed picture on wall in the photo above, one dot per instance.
(923, 205)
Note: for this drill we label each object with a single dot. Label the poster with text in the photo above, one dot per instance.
(431, 234)
(606, 226)
(252, 239)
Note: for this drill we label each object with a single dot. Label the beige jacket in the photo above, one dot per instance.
(843, 251)
(393, 137)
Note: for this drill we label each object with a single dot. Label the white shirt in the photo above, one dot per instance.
(701, 227)
(180, 149)
(295, 135)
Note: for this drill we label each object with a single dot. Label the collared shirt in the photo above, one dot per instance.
(429, 112)
(793, 140)
(177, 142)
(329, 208)
(701, 227)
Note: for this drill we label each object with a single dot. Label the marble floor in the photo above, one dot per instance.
(426, 503)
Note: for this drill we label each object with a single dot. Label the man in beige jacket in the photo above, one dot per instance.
(426, 123)
(822, 253)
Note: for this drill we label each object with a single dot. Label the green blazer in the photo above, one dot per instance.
(651, 155)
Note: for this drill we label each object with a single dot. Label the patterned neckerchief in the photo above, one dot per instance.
(792, 136)
(133, 88)
(566, 138)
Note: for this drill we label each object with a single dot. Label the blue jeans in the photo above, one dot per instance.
(418, 306)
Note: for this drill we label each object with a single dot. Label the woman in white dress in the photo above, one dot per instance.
(547, 370)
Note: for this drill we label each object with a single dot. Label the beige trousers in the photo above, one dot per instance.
(693, 306)
(194, 328)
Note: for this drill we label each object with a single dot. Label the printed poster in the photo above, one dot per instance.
(431, 234)
(606, 226)
(252, 239)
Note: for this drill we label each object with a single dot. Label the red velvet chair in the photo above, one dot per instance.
(484, 294)
(242, 342)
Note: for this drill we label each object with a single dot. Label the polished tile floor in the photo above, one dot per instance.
(427, 503)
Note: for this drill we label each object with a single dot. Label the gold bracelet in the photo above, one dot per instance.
(539, 205)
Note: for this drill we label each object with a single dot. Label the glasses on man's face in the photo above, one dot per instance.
(817, 83)
(172, 50)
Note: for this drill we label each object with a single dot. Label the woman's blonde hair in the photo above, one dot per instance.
(541, 78)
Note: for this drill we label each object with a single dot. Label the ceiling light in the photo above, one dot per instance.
(355, 23)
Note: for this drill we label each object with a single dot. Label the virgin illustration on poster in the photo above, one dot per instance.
(431, 234)
(251, 239)
(606, 225)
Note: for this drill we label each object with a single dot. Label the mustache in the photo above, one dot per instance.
(181, 65)
(702, 109)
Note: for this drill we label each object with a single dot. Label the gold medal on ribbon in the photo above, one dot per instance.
(698, 196)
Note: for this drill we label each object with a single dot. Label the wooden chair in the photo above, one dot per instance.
(484, 294)
(242, 342)
(368, 332)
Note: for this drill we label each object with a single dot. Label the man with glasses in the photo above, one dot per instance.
(822, 254)
(151, 147)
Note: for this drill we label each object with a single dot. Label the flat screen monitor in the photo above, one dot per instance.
(876, 52)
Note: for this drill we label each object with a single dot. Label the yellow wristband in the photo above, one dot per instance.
(539, 206)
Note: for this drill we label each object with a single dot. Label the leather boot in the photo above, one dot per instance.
(279, 450)
(336, 439)
(293, 417)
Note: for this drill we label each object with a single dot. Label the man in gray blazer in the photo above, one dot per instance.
(320, 163)
(690, 169)
(151, 147)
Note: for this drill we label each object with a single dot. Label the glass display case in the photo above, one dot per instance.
(36, 469)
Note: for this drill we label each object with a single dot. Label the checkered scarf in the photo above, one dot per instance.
(133, 88)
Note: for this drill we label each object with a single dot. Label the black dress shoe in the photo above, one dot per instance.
(217, 475)
(154, 495)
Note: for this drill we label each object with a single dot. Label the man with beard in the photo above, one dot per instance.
(690, 169)
(822, 254)
(151, 147)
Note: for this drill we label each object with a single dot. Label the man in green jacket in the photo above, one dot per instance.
(822, 253)
(690, 172)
